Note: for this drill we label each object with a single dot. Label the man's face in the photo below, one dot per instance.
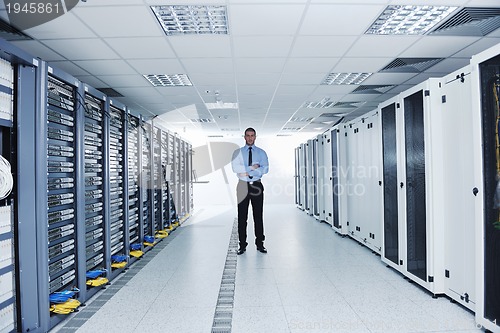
(250, 138)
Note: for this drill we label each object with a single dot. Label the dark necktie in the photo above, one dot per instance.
(250, 158)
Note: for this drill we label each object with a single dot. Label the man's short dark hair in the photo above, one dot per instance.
(250, 129)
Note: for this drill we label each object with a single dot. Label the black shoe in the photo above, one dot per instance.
(261, 249)
(241, 251)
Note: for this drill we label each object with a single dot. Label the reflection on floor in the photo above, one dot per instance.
(311, 280)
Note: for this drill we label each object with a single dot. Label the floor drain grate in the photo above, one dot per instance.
(224, 310)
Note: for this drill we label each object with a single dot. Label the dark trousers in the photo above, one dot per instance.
(250, 193)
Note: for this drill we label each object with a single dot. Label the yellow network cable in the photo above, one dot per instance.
(97, 282)
(161, 234)
(119, 264)
(65, 308)
(136, 253)
(149, 244)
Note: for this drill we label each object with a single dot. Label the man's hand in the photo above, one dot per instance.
(255, 166)
(243, 174)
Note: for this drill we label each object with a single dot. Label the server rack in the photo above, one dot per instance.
(309, 177)
(362, 188)
(118, 188)
(393, 249)
(296, 177)
(315, 176)
(302, 176)
(156, 187)
(458, 176)
(485, 92)
(323, 190)
(96, 190)
(189, 179)
(336, 179)
(182, 178)
(60, 201)
(165, 176)
(146, 182)
(172, 179)
(421, 185)
(135, 216)
(12, 66)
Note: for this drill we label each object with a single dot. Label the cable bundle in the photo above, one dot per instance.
(149, 240)
(136, 253)
(65, 308)
(62, 302)
(136, 246)
(161, 234)
(94, 278)
(118, 261)
(6, 180)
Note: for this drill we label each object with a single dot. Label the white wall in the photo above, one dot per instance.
(211, 162)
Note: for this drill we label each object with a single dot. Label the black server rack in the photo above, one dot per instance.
(172, 179)
(157, 183)
(146, 183)
(134, 197)
(165, 175)
(96, 185)
(118, 183)
(63, 179)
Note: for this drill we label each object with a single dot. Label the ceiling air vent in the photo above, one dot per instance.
(410, 65)
(110, 92)
(372, 89)
(201, 120)
(470, 21)
(168, 80)
(348, 105)
(331, 115)
(301, 119)
(291, 129)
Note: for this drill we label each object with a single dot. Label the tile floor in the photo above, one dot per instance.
(312, 280)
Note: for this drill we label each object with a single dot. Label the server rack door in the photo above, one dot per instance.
(490, 108)
(296, 177)
(320, 192)
(309, 178)
(390, 185)
(416, 210)
(334, 178)
(134, 195)
(459, 200)
(303, 176)
(315, 177)
(326, 188)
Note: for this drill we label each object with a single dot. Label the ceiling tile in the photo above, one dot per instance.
(69, 67)
(322, 19)
(121, 21)
(259, 65)
(361, 65)
(208, 65)
(448, 65)
(212, 79)
(381, 46)
(82, 49)
(157, 66)
(106, 67)
(90, 80)
(438, 46)
(257, 78)
(321, 46)
(58, 28)
(310, 65)
(259, 19)
(118, 81)
(388, 78)
(477, 47)
(209, 90)
(302, 78)
(302, 90)
(141, 47)
(255, 89)
(201, 46)
(262, 46)
(37, 49)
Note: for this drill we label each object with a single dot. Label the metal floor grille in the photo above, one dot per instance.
(223, 316)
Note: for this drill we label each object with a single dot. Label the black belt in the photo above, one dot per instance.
(250, 182)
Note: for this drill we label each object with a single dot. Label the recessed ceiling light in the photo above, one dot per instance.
(191, 19)
(408, 20)
(221, 105)
(164, 80)
(345, 78)
(301, 119)
(201, 120)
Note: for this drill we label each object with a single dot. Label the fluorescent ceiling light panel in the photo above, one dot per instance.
(168, 80)
(345, 78)
(409, 20)
(191, 19)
